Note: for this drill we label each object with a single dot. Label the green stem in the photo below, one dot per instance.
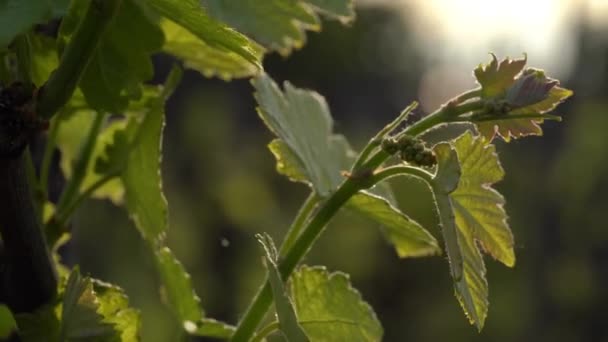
(64, 215)
(263, 299)
(266, 331)
(401, 170)
(376, 140)
(467, 95)
(298, 223)
(24, 58)
(82, 163)
(78, 53)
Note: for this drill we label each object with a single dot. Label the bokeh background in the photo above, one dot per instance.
(222, 188)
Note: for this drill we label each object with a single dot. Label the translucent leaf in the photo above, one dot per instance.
(196, 54)
(79, 316)
(472, 218)
(495, 78)
(522, 97)
(288, 321)
(191, 16)
(301, 119)
(287, 164)
(114, 306)
(330, 309)
(43, 52)
(18, 16)
(177, 288)
(208, 327)
(121, 62)
(278, 24)
(405, 234)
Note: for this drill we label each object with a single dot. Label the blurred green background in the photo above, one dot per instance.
(221, 185)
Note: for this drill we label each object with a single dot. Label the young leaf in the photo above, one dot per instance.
(330, 309)
(79, 316)
(177, 288)
(114, 307)
(408, 237)
(198, 55)
(285, 312)
(191, 16)
(518, 99)
(476, 211)
(278, 24)
(121, 62)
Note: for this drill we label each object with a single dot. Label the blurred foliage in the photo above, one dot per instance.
(222, 188)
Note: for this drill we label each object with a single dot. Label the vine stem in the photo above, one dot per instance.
(266, 331)
(298, 222)
(263, 299)
(78, 53)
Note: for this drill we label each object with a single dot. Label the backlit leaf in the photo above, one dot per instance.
(208, 327)
(330, 309)
(472, 218)
(279, 25)
(495, 78)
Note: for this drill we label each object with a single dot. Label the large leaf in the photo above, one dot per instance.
(330, 309)
(121, 62)
(288, 321)
(278, 24)
(177, 288)
(114, 307)
(473, 218)
(208, 327)
(18, 16)
(517, 99)
(191, 16)
(198, 55)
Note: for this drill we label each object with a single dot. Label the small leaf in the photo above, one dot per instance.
(212, 328)
(285, 312)
(278, 25)
(190, 15)
(476, 211)
(210, 61)
(114, 306)
(495, 78)
(177, 288)
(408, 237)
(79, 316)
(330, 309)
(43, 52)
(287, 164)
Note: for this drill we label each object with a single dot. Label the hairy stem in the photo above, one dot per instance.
(298, 222)
(263, 299)
(61, 85)
(28, 277)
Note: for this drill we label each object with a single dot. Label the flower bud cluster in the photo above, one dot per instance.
(411, 150)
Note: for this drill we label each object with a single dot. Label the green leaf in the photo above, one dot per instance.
(8, 325)
(43, 52)
(17, 16)
(408, 237)
(495, 78)
(209, 327)
(177, 289)
(477, 212)
(288, 321)
(121, 62)
(114, 306)
(302, 121)
(288, 165)
(191, 16)
(198, 55)
(330, 309)
(79, 316)
(40, 325)
(278, 25)
(517, 99)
